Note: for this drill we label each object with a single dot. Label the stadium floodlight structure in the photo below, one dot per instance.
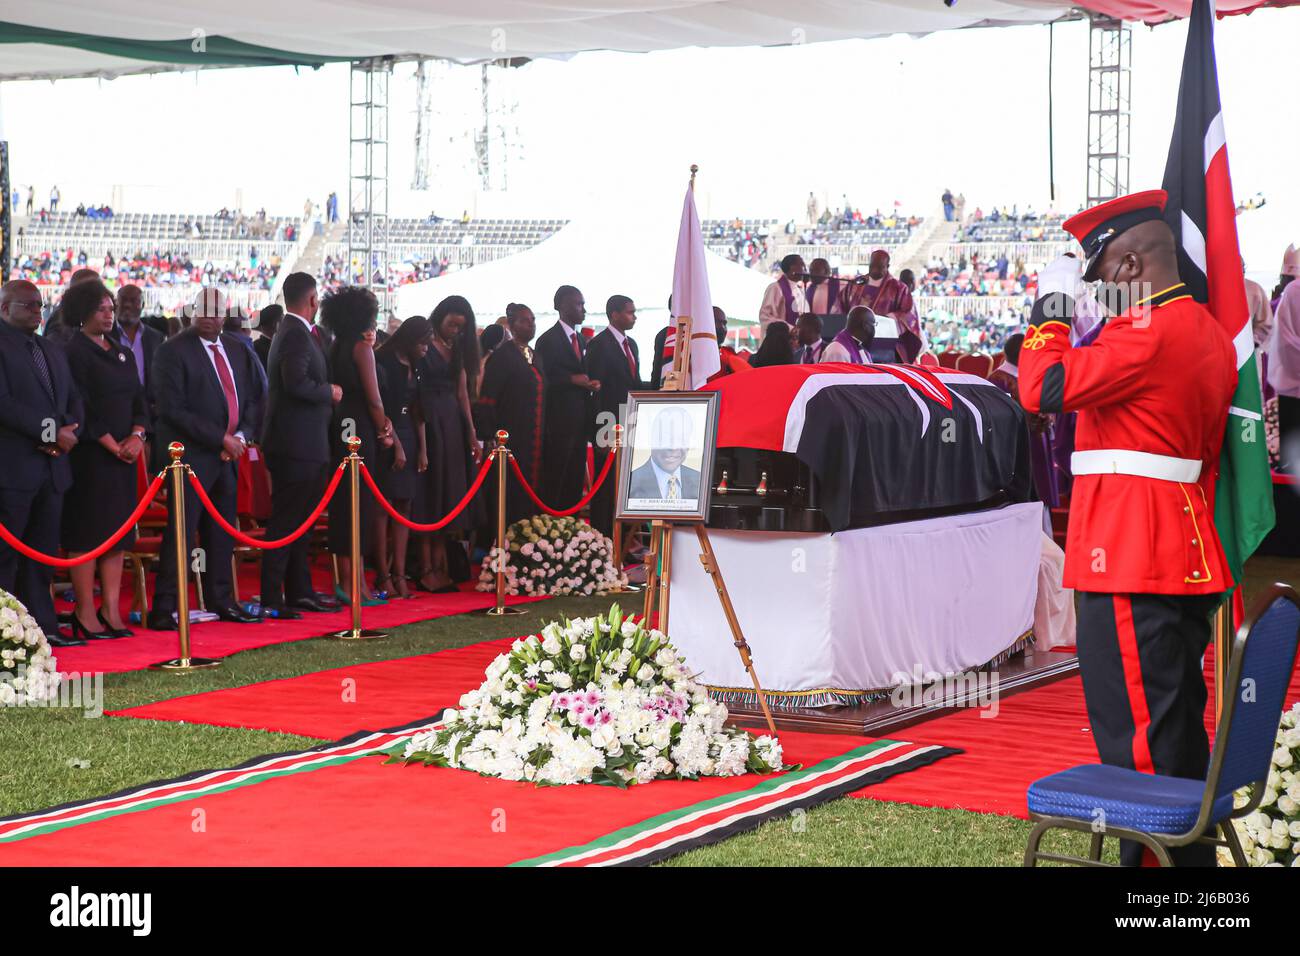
(1110, 84)
(368, 173)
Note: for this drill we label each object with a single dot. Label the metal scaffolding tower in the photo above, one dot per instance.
(423, 124)
(368, 173)
(1110, 61)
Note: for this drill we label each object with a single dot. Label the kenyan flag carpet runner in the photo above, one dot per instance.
(340, 804)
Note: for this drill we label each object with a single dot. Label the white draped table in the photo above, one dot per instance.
(834, 618)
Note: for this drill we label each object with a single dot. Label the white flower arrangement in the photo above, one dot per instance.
(615, 706)
(1270, 835)
(552, 556)
(28, 671)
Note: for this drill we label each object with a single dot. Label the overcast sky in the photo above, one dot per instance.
(878, 120)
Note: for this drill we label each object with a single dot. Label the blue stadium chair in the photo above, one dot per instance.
(1162, 812)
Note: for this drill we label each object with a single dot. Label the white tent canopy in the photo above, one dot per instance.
(108, 37)
(621, 251)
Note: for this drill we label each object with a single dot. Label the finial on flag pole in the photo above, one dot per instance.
(694, 169)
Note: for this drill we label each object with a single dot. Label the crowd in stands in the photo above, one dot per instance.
(158, 267)
(1011, 225)
(335, 272)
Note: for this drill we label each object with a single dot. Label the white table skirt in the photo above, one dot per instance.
(832, 618)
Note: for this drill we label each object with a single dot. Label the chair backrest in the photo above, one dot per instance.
(929, 358)
(1263, 659)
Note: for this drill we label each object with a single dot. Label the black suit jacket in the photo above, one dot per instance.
(607, 362)
(567, 405)
(643, 484)
(26, 413)
(191, 404)
(152, 338)
(299, 399)
(263, 349)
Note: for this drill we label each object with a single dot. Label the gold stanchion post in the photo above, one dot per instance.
(356, 632)
(176, 473)
(665, 573)
(500, 608)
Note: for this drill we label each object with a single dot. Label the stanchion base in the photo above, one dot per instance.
(506, 610)
(187, 664)
(361, 634)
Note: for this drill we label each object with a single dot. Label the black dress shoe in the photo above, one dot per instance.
(160, 621)
(60, 640)
(313, 605)
(82, 633)
(237, 615)
(280, 614)
(115, 631)
(328, 601)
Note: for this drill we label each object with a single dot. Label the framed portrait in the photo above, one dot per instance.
(667, 466)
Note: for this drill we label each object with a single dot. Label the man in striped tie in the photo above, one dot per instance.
(208, 396)
(613, 360)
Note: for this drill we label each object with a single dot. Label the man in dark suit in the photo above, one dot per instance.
(208, 396)
(40, 414)
(567, 422)
(613, 360)
(664, 476)
(268, 320)
(295, 440)
(140, 340)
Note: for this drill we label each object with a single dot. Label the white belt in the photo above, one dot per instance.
(1121, 461)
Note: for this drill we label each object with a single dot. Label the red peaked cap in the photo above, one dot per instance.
(1099, 225)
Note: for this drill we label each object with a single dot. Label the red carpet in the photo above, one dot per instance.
(1034, 733)
(220, 639)
(337, 805)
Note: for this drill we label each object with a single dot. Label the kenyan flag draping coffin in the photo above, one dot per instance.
(885, 442)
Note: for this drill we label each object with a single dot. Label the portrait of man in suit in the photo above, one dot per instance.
(673, 435)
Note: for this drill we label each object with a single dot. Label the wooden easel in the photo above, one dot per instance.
(659, 559)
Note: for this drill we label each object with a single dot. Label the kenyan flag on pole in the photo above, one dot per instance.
(1203, 215)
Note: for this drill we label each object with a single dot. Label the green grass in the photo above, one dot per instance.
(53, 756)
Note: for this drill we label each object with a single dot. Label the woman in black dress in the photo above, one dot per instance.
(104, 466)
(776, 348)
(404, 465)
(350, 315)
(449, 374)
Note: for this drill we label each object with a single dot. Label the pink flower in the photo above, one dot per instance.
(589, 719)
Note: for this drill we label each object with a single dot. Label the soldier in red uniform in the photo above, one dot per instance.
(1152, 391)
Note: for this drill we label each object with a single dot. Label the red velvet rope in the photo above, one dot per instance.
(437, 525)
(595, 485)
(149, 495)
(265, 545)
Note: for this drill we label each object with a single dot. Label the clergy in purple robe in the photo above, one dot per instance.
(786, 298)
(825, 292)
(886, 295)
(853, 344)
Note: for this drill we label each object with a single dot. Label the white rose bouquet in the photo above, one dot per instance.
(551, 556)
(596, 700)
(1270, 836)
(28, 671)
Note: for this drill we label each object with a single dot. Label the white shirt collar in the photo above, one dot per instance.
(1010, 368)
(618, 336)
(662, 477)
(300, 319)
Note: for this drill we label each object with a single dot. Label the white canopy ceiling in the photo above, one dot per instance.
(108, 37)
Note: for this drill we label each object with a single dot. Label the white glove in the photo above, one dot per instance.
(1064, 275)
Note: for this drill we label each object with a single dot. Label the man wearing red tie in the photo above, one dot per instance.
(568, 419)
(1152, 392)
(208, 396)
(613, 360)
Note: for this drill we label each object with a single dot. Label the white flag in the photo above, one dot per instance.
(691, 294)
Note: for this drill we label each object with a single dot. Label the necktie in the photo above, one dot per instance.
(42, 367)
(577, 349)
(672, 488)
(227, 386)
(631, 360)
(315, 334)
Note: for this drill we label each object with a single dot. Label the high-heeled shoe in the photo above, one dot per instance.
(81, 632)
(115, 631)
(365, 601)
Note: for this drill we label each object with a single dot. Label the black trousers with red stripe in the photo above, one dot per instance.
(1140, 659)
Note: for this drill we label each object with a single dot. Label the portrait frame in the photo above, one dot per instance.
(700, 409)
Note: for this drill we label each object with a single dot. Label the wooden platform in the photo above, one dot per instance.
(1030, 668)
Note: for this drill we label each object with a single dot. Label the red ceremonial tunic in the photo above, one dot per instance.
(1158, 379)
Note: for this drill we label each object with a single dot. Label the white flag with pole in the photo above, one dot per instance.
(691, 294)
